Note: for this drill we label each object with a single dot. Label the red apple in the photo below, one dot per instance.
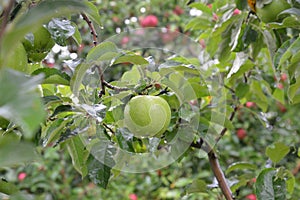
(22, 176)
(149, 21)
(236, 12)
(209, 5)
(125, 40)
(241, 133)
(250, 104)
(281, 107)
(215, 17)
(178, 10)
(283, 77)
(280, 86)
(133, 197)
(202, 43)
(251, 197)
(157, 86)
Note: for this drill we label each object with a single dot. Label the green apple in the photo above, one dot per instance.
(268, 12)
(38, 44)
(147, 116)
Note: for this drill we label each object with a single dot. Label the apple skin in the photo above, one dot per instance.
(241, 133)
(147, 116)
(149, 21)
(251, 197)
(268, 13)
(250, 104)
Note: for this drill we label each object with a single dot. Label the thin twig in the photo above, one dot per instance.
(106, 126)
(225, 129)
(91, 26)
(5, 19)
(113, 87)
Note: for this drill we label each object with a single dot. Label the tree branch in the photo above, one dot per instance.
(91, 26)
(5, 19)
(216, 168)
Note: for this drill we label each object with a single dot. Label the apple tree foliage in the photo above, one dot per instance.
(50, 101)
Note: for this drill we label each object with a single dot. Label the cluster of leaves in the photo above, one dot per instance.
(241, 60)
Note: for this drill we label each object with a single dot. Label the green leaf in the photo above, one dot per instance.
(60, 30)
(100, 50)
(264, 184)
(197, 186)
(93, 13)
(241, 166)
(277, 151)
(134, 59)
(79, 154)
(7, 187)
(53, 76)
(77, 77)
(20, 102)
(242, 89)
(278, 94)
(13, 152)
(99, 173)
(34, 18)
(294, 92)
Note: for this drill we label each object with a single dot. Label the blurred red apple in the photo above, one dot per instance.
(149, 21)
(178, 10)
(22, 176)
(283, 77)
(250, 104)
(236, 12)
(209, 5)
(133, 197)
(281, 107)
(251, 197)
(125, 40)
(215, 17)
(241, 133)
(280, 86)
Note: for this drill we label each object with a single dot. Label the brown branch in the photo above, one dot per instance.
(91, 26)
(113, 87)
(5, 19)
(216, 168)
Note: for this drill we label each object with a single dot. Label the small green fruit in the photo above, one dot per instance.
(38, 44)
(147, 116)
(269, 12)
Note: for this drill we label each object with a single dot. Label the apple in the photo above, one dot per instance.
(250, 104)
(125, 40)
(281, 107)
(38, 44)
(147, 116)
(22, 176)
(149, 21)
(283, 77)
(241, 133)
(236, 12)
(269, 12)
(178, 10)
(280, 86)
(133, 197)
(251, 197)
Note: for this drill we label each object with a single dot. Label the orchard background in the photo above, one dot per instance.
(68, 68)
